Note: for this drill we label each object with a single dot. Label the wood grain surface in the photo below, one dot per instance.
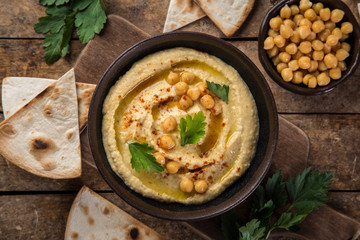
(36, 208)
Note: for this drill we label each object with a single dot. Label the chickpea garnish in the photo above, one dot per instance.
(181, 88)
(217, 109)
(185, 102)
(201, 186)
(187, 77)
(207, 101)
(172, 167)
(159, 158)
(169, 124)
(186, 185)
(166, 142)
(193, 93)
(173, 78)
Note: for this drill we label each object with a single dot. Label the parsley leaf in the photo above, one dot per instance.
(141, 158)
(220, 91)
(252, 231)
(88, 15)
(52, 2)
(302, 195)
(192, 129)
(90, 21)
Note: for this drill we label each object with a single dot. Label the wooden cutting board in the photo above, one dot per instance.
(291, 154)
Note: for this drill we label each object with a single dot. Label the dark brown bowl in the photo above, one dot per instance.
(239, 190)
(352, 61)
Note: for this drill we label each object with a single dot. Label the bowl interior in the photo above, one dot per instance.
(351, 62)
(238, 191)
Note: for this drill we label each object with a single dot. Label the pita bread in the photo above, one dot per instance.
(228, 15)
(43, 136)
(93, 217)
(18, 91)
(181, 13)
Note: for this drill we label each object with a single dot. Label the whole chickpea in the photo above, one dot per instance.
(166, 142)
(294, 9)
(346, 28)
(312, 82)
(323, 79)
(286, 31)
(207, 101)
(181, 88)
(342, 54)
(317, 7)
(203, 88)
(310, 14)
(172, 167)
(169, 124)
(304, 62)
(285, 12)
(159, 158)
(298, 77)
(325, 14)
(335, 73)
(194, 93)
(318, 26)
(281, 66)
(284, 57)
(217, 109)
(269, 43)
(273, 52)
(332, 40)
(279, 41)
(305, 5)
(186, 185)
(275, 23)
(201, 186)
(185, 102)
(337, 15)
(304, 31)
(187, 77)
(173, 78)
(330, 60)
(287, 74)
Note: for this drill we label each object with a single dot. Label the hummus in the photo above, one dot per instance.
(142, 99)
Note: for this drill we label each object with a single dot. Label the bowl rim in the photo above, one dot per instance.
(300, 89)
(127, 194)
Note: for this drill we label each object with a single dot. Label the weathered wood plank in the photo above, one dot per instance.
(44, 216)
(26, 58)
(334, 146)
(17, 18)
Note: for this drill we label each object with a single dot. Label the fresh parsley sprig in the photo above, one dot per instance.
(142, 158)
(192, 129)
(62, 17)
(300, 196)
(220, 91)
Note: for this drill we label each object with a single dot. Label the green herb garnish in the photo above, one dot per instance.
(192, 129)
(142, 158)
(62, 16)
(220, 91)
(298, 197)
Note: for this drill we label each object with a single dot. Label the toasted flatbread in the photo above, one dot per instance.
(228, 15)
(93, 217)
(18, 91)
(182, 13)
(42, 137)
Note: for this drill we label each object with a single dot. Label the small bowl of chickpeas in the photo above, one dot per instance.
(309, 47)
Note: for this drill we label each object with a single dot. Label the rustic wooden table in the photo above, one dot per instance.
(36, 208)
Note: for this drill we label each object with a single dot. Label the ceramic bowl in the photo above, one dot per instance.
(239, 190)
(352, 61)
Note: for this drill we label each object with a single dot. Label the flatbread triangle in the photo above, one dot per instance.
(18, 91)
(93, 217)
(43, 136)
(181, 13)
(228, 15)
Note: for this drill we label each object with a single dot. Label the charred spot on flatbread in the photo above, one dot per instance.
(74, 235)
(41, 146)
(48, 110)
(8, 130)
(91, 221)
(48, 164)
(134, 233)
(69, 134)
(55, 94)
